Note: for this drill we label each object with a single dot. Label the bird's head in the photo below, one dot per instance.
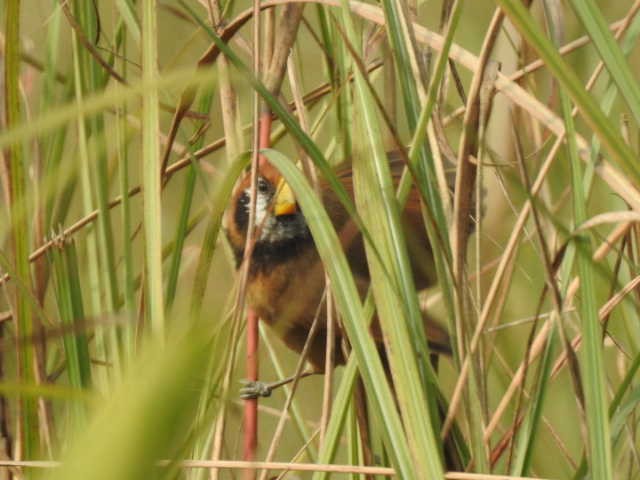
(279, 221)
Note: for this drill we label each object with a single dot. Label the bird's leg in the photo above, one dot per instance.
(255, 389)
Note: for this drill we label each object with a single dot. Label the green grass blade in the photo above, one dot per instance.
(592, 367)
(614, 415)
(127, 12)
(354, 443)
(127, 340)
(421, 157)
(53, 145)
(92, 246)
(151, 172)
(93, 79)
(341, 403)
(19, 217)
(68, 295)
(176, 257)
(204, 106)
(530, 427)
(77, 310)
(340, 409)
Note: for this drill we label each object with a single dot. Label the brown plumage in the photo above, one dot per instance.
(286, 277)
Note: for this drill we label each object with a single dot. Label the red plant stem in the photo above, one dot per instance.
(251, 405)
(265, 135)
(253, 335)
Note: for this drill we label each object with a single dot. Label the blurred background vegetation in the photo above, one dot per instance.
(121, 334)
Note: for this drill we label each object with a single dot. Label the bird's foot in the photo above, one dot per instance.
(254, 389)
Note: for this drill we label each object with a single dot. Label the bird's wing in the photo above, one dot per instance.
(415, 233)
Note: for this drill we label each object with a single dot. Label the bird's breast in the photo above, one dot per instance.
(287, 294)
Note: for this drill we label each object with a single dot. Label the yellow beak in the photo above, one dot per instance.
(285, 200)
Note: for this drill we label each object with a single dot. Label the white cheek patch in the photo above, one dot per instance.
(262, 203)
(271, 229)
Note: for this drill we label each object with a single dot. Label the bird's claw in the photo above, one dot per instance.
(254, 389)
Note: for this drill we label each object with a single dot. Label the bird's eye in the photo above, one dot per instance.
(263, 186)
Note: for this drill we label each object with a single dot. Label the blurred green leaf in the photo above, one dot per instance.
(146, 417)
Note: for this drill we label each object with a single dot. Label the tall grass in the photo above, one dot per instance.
(124, 130)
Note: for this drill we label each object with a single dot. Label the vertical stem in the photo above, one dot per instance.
(592, 364)
(151, 172)
(18, 209)
(253, 333)
(252, 366)
(6, 445)
(262, 119)
(327, 391)
(251, 405)
(127, 278)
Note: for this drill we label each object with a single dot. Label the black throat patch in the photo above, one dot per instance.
(268, 255)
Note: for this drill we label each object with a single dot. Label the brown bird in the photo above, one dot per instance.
(286, 278)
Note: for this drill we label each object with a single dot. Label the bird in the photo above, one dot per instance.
(286, 281)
